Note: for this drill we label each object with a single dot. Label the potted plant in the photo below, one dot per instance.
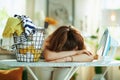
(74, 76)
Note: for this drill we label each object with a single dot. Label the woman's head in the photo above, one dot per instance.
(64, 39)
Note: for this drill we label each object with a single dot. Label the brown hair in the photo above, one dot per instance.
(64, 39)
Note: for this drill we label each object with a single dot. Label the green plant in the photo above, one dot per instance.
(117, 58)
(74, 76)
(98, 70)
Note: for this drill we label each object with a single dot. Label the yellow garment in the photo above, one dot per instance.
(13, 25)
(30, 49)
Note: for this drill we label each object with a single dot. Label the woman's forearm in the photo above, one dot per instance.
(75, 58)
(82, 58)
(51, 55)
(65, 59)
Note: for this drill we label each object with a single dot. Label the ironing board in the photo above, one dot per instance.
(74, 65)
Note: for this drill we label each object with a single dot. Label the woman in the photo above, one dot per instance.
(64, 45)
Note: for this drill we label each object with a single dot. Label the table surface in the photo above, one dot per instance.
(41, 63)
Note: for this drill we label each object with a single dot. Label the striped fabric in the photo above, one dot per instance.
(27, 24)
(20, 39)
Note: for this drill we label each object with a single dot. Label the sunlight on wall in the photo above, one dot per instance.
(8, 8)
(3, 20)
(110, 17)
(14, 6)
(111, 4)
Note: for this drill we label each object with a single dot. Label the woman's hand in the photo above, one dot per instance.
(83, 58)
(83, 52)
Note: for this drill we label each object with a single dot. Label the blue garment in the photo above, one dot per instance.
(27, 24)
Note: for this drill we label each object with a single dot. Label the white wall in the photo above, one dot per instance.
(40, 12)
(89, 12)
(13, 7)
(40, 5)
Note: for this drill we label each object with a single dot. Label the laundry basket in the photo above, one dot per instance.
(29, 48)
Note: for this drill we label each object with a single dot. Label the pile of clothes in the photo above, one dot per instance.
(23, 31)
(18, 24)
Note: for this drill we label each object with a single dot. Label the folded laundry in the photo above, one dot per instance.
(27, 24)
